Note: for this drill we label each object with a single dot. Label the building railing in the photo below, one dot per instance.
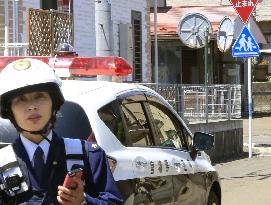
(223, 101)
(16, 49)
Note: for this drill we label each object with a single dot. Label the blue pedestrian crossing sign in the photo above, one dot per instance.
(245, 45)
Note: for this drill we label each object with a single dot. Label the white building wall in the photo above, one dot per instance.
(121, 13)
(84, 27)
(27, 4)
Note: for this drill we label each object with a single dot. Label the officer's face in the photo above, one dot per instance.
(32, 110)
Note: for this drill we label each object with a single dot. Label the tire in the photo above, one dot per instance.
(213, 198)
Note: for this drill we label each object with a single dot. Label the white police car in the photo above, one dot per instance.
(149, 147)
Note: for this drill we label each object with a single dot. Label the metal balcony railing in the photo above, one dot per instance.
(16, 49)
(223, 101)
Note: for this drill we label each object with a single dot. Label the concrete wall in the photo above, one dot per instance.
(84, 27)
(228, 138)
(261, 94)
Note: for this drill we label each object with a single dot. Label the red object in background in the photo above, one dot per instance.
(80, 66)
(65, 2)
(244, 8)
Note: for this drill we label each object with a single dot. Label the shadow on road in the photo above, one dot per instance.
(244, 155)
(257, 115)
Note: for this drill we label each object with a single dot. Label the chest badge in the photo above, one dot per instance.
(94, 146)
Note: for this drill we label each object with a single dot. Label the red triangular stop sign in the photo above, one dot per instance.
(244, 8)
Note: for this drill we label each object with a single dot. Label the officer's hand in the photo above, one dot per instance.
(71, 196)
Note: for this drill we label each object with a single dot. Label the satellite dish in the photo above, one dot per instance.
(225, 34)
(191, 29)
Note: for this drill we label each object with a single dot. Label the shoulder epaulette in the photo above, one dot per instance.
(74, 152)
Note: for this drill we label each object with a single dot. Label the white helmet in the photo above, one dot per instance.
(28, 75)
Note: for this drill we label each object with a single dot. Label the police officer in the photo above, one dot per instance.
(30, 97)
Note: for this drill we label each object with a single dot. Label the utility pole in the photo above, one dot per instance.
(6, 53)
(206, 48)
(103, 32)
(155, 46)
(15, 26)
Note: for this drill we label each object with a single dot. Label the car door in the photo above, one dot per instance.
(153, 183)
(172, 136)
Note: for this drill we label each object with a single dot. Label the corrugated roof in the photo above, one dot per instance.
(169, 17)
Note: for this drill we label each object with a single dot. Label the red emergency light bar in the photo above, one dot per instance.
(79, 66)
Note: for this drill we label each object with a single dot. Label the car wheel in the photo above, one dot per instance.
(213, 199)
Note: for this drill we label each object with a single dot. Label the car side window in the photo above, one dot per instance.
(170, 132)
(138, 131)
(111, 116)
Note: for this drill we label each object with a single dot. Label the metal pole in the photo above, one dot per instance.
(249, 103)
(15, 26)
(17, 21)
(155, 45)
(229, 102)
(103, 32)
(206, 71)
(6, 53)
(69, 33)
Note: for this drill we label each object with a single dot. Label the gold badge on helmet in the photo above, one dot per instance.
(22, 65)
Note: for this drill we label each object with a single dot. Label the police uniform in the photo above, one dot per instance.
(100, 187)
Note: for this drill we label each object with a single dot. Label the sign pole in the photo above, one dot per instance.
(156, 80)
(249, 103)
(246, 46)
(249, 108)
(206, 71)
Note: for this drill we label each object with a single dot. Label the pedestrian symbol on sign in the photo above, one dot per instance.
(245, 45)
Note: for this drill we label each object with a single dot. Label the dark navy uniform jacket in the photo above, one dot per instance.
(100, 187)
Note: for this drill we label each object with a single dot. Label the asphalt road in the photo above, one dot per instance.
(248, 181)
(261, 130)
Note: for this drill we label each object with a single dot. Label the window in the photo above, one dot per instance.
(137, 33)
(170, 133)
(111, 116)
(170, 62)
(137, 125)
(49, 4)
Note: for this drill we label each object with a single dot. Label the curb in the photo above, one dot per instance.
(260, 149)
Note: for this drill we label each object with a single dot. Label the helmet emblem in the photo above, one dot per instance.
(22, 65)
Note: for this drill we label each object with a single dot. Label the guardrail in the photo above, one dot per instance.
(223, 101)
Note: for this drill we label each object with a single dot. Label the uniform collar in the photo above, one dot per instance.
(31, 147)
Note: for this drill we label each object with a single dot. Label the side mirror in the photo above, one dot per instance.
(203, 141)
